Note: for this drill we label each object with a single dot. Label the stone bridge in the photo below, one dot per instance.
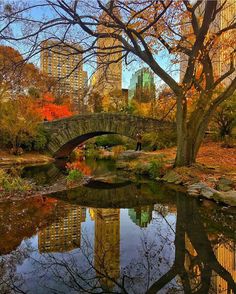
(66, 134)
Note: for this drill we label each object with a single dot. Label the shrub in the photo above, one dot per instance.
(117, 150)
(156, 167)
(40, 140)
(141, 168)
(13, 182)
(37, 143)
(74, 176)
(109, 140)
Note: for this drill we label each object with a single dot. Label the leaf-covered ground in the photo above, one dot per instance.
(213, 161)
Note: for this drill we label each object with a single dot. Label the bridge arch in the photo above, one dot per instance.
(66, 134)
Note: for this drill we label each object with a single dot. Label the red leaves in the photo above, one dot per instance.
(80, 166)
(50, 111)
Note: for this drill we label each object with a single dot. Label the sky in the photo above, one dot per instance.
(127, 72)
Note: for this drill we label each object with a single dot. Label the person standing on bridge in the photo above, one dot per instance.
(139, 141)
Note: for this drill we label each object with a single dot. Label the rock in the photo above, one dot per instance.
(224, 184)
(129, 155)
(172, 177)
(228, 197)
(202, 189)
(196, 187)
(209, 192)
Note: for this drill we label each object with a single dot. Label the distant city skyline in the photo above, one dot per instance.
(127, 71)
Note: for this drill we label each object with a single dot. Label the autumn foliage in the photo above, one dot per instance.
(50, 111)
(80, 166)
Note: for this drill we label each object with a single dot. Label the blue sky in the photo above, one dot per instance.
(162, 57)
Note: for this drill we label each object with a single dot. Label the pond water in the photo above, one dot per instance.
(115, 235)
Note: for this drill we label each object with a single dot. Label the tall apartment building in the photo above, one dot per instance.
(63, 63)
(107, 245)
(109, 64)
(65, 233)
(226, 256)
(220, 56)
(142, 86)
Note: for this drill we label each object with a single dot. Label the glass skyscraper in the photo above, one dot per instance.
(142, 87)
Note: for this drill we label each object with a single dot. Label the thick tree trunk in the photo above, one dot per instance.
(189, 140)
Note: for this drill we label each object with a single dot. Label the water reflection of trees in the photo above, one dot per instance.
(194, 269)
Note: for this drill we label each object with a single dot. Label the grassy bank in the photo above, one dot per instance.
(7, 159)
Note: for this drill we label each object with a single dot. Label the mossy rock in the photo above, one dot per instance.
(224, 184)
(228, 197)
(172, 177)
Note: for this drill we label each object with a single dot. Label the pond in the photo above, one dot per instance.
(116, 234)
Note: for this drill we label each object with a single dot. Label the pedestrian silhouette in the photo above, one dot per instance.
(139, 141)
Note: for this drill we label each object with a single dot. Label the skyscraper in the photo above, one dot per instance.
(64, 234)
(107, 245)
(63, 62)
(109, 63)
(141, 215)
(142, 86)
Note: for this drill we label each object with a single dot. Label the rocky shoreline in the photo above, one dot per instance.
(225, 193)
(220, 189)
(59, 186)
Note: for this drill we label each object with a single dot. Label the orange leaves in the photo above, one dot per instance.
(80, 166)
(50, 111)
(48, 97)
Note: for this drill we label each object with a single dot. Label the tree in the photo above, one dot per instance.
(165, 106)
(197, 35)
(225, 117)
(117, 100)
(17, 76)
(19, 121)
(95, 102)
(48, 110)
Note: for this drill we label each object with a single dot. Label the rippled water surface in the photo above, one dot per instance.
(115, 235)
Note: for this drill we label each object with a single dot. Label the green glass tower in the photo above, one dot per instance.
(142, 87)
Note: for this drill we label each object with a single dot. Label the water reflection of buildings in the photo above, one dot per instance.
(226, 256)
(65, 233)
(142, 215)
(107, 245)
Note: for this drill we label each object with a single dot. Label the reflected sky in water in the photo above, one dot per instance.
(136, 238)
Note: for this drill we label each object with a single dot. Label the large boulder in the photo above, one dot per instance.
(201, 189)
(228, 197)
